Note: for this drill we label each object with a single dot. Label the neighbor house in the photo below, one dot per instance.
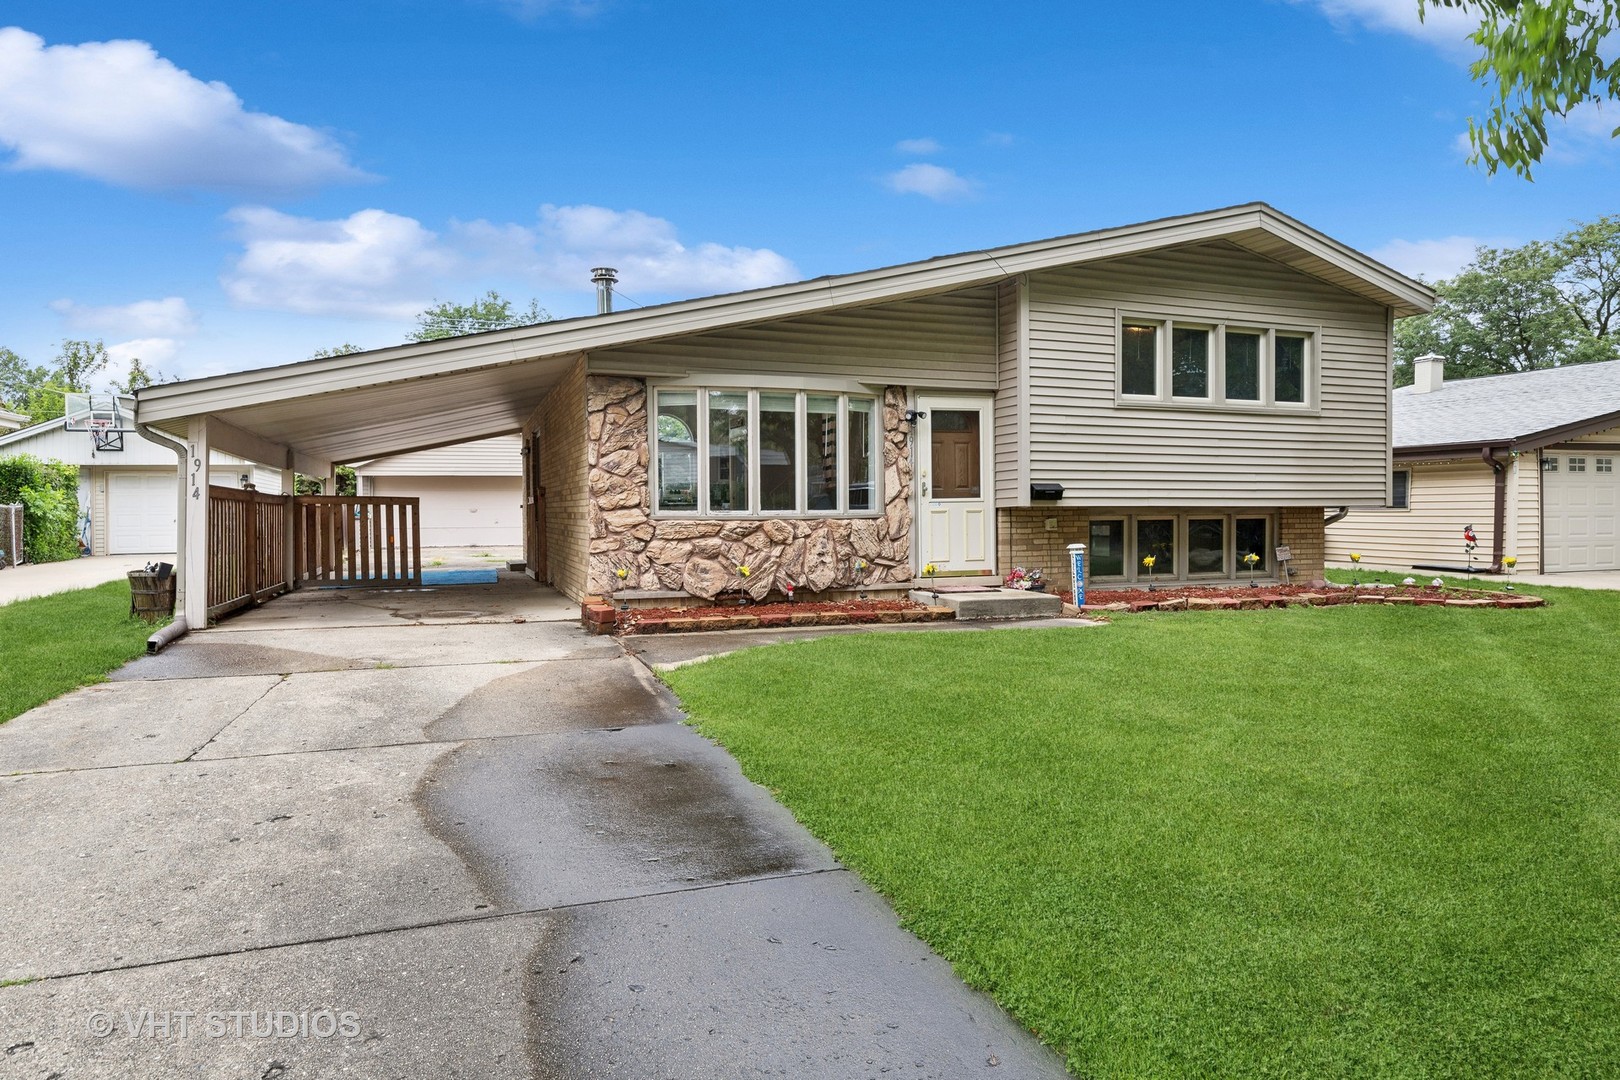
(127, 503)
(1527, 460)
(471, 493)
(1198, 388)
(10, 421)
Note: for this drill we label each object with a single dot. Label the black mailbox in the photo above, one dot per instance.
(1045, 492)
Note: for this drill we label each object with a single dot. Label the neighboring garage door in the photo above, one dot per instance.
(140, 512)
(462, 511)
(1579, 501)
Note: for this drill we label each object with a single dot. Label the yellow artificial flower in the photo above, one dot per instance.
(744, 571)
(1510, 561)
(621, 573)
(1251, 558)
(930, 570)
(1148, 561)
(1355, 556)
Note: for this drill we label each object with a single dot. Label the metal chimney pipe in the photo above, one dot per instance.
(605, 277)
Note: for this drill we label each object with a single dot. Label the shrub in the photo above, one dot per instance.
(48, 491)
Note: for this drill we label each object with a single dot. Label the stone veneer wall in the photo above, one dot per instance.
(1022, 540)
(1301, 529)
(700, 556)
(560, 420)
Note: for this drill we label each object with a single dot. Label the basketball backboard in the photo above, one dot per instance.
(104, 416)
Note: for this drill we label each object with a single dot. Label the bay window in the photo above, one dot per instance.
(764, 452)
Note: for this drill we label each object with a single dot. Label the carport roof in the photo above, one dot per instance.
(432, 393)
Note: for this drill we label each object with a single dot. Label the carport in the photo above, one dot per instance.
(310, 417)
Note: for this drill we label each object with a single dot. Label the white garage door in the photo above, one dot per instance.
(1579, 503)
(140, 512)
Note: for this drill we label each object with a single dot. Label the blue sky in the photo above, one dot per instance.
(221, 186)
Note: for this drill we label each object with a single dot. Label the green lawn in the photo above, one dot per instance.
(52, 644)
(1340, 842)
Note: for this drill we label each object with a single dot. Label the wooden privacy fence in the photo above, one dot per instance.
(357, 540)
(247, 548)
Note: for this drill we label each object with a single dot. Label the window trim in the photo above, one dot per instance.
(1163, 396)
(801, 391)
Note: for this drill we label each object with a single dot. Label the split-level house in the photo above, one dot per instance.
(1196, 388)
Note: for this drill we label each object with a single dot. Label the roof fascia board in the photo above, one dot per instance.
(887, 284)
(1537, 440)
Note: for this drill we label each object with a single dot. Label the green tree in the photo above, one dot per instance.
(17, 380)
(341, 350)
(1543, 57)
(492, 311)
(1521, 309)
(139, 376)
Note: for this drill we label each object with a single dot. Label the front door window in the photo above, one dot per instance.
(956, 454)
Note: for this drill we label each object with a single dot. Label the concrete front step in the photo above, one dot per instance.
(994, 604)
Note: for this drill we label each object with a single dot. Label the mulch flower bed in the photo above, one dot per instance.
(1245, 597)
(607, 620)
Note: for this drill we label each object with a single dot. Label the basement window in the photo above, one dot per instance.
(772, 453)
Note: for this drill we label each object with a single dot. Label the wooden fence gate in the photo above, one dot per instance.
(247, 548)
(357, 540)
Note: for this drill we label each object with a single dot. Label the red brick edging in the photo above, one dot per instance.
(1276, 600)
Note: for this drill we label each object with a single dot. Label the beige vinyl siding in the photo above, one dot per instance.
(1444, 497)
(1107, 453)
(1011, 418)
(1524, 513)
(945, 342)
(500, 456)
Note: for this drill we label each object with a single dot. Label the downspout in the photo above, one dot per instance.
(1499, 526)
(177, 626)
(1335, 517)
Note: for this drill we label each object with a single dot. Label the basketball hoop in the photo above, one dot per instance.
(104, 416)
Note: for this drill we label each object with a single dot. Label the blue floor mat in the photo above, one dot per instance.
(459, 577)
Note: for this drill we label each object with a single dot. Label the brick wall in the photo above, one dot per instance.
(560, 421)
(1301, 530)
(1022, 539)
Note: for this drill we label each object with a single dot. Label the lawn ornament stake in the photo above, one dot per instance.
(1470, 542)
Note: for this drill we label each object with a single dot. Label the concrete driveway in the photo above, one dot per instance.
(43, 579)
(436, 833)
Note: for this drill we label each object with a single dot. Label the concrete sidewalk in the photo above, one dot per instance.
(485, 836)
(43, 579)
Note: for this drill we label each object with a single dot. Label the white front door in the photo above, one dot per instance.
(955, 474)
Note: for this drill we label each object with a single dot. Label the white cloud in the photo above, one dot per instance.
(371, 263)
(154, 353)
(1445, 28)
(534, 9)
(169, 317)
(932, 181)
(918, 147)
(1429, 259)
(118, 112)
(568, 241)
(381, 265)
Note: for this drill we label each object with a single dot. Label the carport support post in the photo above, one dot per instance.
(289, 492)
(196, 524)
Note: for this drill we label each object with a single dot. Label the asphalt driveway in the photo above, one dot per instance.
(435, 833)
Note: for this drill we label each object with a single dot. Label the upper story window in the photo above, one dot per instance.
(770, 452)
(1186, 362)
